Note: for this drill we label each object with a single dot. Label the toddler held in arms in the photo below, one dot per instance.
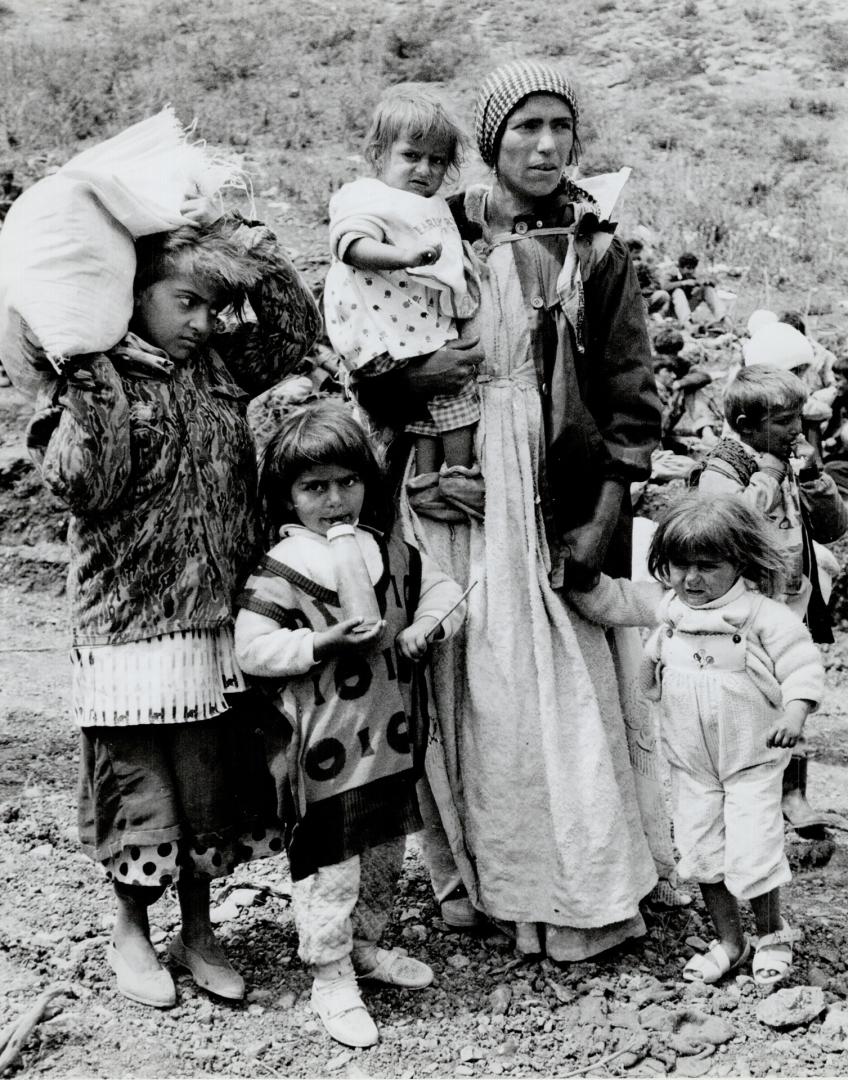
(400, 282)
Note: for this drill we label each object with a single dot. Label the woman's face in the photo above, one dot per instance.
(536, 145)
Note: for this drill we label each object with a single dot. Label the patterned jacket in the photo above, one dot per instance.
(159, 471)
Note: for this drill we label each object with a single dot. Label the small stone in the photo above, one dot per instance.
(244, 897)
(339, 1061)
(225, 912)
(693, 1066)
(471, 1053)
(834, 1029)
(591, 1010)
(257, 1049)
(623, 1018)
(204, 1012)
(458, 961)
(697, 943)
(286, 1000)
(259, 995)
(463, 1070)
(791, 1006)
(817, 977)
(255, 1010)
(311, 1027)
(564, 994)
(42, 851)
(655, 1018)
(507, 1049)
(499, 1000)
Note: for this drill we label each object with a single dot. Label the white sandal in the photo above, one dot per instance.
(773, 953)
(714, 964)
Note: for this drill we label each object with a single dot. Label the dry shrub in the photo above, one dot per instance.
(834, 46)
(796, 148)
(428, 44)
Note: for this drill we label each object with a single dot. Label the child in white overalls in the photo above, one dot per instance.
(736, 674)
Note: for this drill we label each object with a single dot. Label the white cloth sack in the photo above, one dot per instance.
(67, 255)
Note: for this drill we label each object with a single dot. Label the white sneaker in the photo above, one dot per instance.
(340, 1010)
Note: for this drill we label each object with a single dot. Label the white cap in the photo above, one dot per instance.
(758, 318)
(780, 345)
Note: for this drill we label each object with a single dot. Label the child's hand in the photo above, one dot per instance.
(425, 255)
(412, 642)
(787, 731)
(199, 210)
(343, 638)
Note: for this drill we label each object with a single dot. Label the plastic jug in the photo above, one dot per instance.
(356, 593)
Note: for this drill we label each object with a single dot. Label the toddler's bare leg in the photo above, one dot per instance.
(427, 454)
(766, 910)
(724, 912)
(459, 447)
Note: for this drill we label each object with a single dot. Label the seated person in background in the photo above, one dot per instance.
(657, 300)
(835, 436)
(690, 410)
(687, 290)
(818, 375)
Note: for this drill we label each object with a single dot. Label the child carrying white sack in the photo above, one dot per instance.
(67, 252)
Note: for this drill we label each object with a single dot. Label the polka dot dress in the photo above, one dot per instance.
(161, 864)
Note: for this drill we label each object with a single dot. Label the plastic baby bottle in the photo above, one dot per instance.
(356, 593)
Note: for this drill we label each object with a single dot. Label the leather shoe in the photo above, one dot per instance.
(154, 988)
(218, 977)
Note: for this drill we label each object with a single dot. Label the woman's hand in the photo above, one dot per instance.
(447, 370)
(587, 544)
(586, 549)
(413, 642)
(790, 724)
(343, 638)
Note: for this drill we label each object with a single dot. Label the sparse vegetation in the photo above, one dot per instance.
(291, 88)
(834, 46)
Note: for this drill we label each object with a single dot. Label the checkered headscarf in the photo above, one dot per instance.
(504, 89)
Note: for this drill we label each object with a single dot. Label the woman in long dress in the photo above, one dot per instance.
(529, 765)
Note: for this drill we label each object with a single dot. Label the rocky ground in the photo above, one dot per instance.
(489, 1012)
(729, 114)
